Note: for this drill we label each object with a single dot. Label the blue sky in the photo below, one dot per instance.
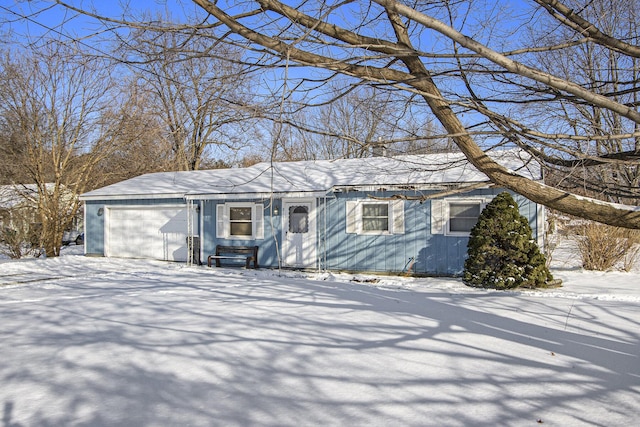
(32, 21)
(29, 21)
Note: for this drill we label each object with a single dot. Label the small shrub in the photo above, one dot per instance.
(14, 241)
(552, 236)
(602, 247)
(11, 244)
(501, 251)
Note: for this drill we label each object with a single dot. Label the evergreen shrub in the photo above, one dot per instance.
(501, 251)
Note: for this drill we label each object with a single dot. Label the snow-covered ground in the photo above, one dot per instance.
(109, 342)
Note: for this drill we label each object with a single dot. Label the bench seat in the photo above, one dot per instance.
(249, 254)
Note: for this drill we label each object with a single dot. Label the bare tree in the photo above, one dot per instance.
(399, 61)
(362, 120)
(606, 72)
(52, 100)
(136, 135)
(474, 78)
(199, 89)
(351, 120)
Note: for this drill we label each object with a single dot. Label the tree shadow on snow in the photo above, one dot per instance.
(236, 350)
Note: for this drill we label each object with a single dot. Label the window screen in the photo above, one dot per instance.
(240, 221)
(463, 216)
(375, 217)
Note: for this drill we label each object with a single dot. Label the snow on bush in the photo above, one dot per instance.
(501, 251)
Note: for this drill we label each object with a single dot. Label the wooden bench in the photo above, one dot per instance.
(248, 253)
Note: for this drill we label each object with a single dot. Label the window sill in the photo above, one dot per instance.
(456, 234)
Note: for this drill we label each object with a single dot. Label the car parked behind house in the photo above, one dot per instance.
(73, 236)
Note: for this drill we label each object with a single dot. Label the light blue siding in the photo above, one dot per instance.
(376, 253)
(417, 250)
(267, 253)
(431, 254)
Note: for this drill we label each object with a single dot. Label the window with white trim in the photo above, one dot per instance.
(242, 221)
(456, 216)
(463, 216)
(375, 217)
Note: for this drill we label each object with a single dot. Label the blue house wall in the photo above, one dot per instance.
(417, 250)
(445, 255)
(267, 254)
(375, 253)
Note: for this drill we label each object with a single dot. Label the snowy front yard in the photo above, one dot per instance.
(97, 342)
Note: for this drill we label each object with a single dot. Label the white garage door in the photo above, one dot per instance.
(147, 232)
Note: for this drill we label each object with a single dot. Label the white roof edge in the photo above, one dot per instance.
(161, 206)
(408, 187)
(131, 196)
(244, 196)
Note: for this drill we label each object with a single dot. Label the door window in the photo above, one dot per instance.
(298, 219)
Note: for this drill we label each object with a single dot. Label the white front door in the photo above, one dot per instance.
(299, 233)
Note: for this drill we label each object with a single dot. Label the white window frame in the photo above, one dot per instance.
(223, 221)
(389, 217)
(440, 213)
(355, 222)
(481, 204)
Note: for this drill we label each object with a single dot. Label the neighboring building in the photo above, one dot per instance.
(13, 200)
(19, 210)
(379, 214)
(19, 214)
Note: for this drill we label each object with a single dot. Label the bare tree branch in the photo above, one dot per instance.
(585, 28)
(576, 123)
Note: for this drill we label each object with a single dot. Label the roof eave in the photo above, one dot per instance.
(97, 197)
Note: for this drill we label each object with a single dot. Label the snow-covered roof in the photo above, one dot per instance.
(313, 177)
(12, 196)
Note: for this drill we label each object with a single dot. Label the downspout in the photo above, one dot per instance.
(189, 232)
(84, 227)
(192, 208)
(201, 228)
(274, 231)
(321, 234)
(324, 241)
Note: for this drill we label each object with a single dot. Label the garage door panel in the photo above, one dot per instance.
(147, 232)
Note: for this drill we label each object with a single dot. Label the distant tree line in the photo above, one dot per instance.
(72, 121)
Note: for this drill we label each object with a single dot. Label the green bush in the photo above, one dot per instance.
(501, 251)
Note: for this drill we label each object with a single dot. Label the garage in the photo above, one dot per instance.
(151, 232)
